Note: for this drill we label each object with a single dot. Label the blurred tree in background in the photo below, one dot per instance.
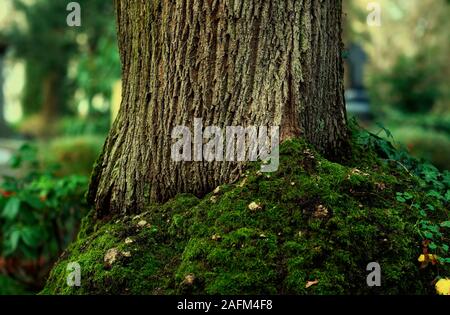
(407, 73)
(68, 80)
(409, 66)
(413, 84)
(46, 49)
(65, 66)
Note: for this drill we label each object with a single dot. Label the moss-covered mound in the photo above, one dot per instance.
(266, 234)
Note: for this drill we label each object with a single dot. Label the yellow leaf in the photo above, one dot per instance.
(443, 286)
(428, 257)
(311, 283)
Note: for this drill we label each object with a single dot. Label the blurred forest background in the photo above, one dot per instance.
(60, 90)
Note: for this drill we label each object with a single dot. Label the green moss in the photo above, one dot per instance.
(314, 220)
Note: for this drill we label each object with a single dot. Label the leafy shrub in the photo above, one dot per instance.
(426, 136)
(411, 85)
(435, 185)
(71, 126)
(74, 155)
(429, 145)
(39, 216)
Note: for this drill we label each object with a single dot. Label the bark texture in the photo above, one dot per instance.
(229, 62)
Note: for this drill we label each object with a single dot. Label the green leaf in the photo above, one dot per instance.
(401, 199)
(12, 242)
(430, 173)
(445, 247)
(15, 162)
(31, 236)
(445, 260)
(432, 246)
(447, 196)
(428, 235)
(446, 178)
(415, 205)
(33, 201)
(11, 208)
(435, 194)
(386, 131)
(433, 228)
(407, 196)
(446, 224)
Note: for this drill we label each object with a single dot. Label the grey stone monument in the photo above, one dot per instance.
(356, 96)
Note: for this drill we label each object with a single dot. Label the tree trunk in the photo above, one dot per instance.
(4, 130)
(50, 97)
(230, 62)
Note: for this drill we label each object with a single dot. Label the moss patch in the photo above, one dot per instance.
(266, 234)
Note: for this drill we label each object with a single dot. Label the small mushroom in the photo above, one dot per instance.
(213, 199)
(126, 254)
(111, 257)
(189, 279)
(128, 240)
(142, 223)
(254, 206)
(321, 212)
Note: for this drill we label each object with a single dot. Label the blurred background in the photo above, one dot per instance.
(60, 90)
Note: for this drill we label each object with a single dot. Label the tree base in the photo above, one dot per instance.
(312, 220)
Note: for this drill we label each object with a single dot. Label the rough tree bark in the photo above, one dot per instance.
(229, 62)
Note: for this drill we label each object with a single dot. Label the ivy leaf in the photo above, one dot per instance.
(386, 131)
(31, 236)
(433, 228)
(430, 173)
(447, 196)
(33, 201)
(446, 260)
(15, 162)
(400, 198)
(446, 178)
(408, 196)
(11, 208)
(434, 193)
(12, 242)
(415, 205)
